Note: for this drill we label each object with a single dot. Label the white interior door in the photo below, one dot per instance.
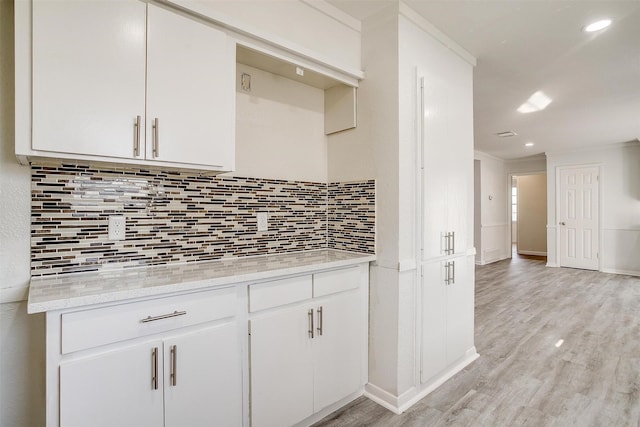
(578, 227)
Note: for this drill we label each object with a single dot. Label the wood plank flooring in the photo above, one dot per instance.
(558, 347)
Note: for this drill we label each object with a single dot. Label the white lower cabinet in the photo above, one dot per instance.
(202, 384)
(447, 314)
(180, 364)
(112, 389)
(307, 356)
(183, 360)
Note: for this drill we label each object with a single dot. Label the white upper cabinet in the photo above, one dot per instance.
(190, 91)
(128, 82)
(88, 76)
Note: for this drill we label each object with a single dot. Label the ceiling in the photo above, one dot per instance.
(525, 46)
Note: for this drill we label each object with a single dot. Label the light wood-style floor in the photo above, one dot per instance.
(558, 347)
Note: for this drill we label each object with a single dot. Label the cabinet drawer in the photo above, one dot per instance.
(334, 281)
(279, 292)
(91, 328)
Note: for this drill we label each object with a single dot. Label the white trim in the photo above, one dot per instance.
(535, 157)
(623, 272)
(479, 155)
(382, 398)
(399, 404)
(622, 229)
(434, 32)
(407, 265)
(536, 253)
(632, 143)
(240, 28)
(15, 294)
(333, 12)
(552, 264)
(498, 224)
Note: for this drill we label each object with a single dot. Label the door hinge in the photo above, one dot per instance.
(249, 328)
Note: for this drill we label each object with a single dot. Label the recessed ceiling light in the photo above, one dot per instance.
(506, 134)
(536, 102)
(597, 26)
(529, 144)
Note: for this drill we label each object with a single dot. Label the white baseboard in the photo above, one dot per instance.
(329, 409)
(552, 264)
(490, 261)
(624, 272)
(399, 404)
(538, 253)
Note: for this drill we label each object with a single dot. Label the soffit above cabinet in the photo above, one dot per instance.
(263, 61)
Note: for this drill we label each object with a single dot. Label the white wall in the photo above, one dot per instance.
(619, 204)
(532, 218)
(477, 208)
(494, 199)
(279, 128)
(393, 48)
(378, 128)
(21, 335)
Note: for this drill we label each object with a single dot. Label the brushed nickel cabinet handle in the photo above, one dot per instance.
(446, 273)
(452, 278)
(320, 313)
(310, 322)
(156, 138)
(453, 242)
(154, 368)
(173, 370)
(136, 137)
(163, 316)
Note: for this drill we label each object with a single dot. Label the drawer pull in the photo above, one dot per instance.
(163, 316)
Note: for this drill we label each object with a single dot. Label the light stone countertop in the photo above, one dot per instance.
(80, 289)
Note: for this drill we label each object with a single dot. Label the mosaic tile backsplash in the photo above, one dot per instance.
(351, 215)
(174, 217)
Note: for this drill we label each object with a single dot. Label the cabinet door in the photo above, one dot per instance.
(203, 382)
(460, 309)
(337, 349)
(88, 76)
(434, 315)
(190, 91)
(113, 389)
(281, 368)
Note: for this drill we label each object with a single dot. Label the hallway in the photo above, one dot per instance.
(557, 347)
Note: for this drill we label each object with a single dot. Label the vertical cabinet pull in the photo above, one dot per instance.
(452, 245)
(450, 273)
(136, 137)
(452, 276)
(173, 369)
(310, 322)
(320, 312)
(154, 368)
(449, 242)
(156, 138)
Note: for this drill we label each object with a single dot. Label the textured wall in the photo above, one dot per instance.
(22, 353)
(181, 217)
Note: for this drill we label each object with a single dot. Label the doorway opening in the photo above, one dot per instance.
(528, 213)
